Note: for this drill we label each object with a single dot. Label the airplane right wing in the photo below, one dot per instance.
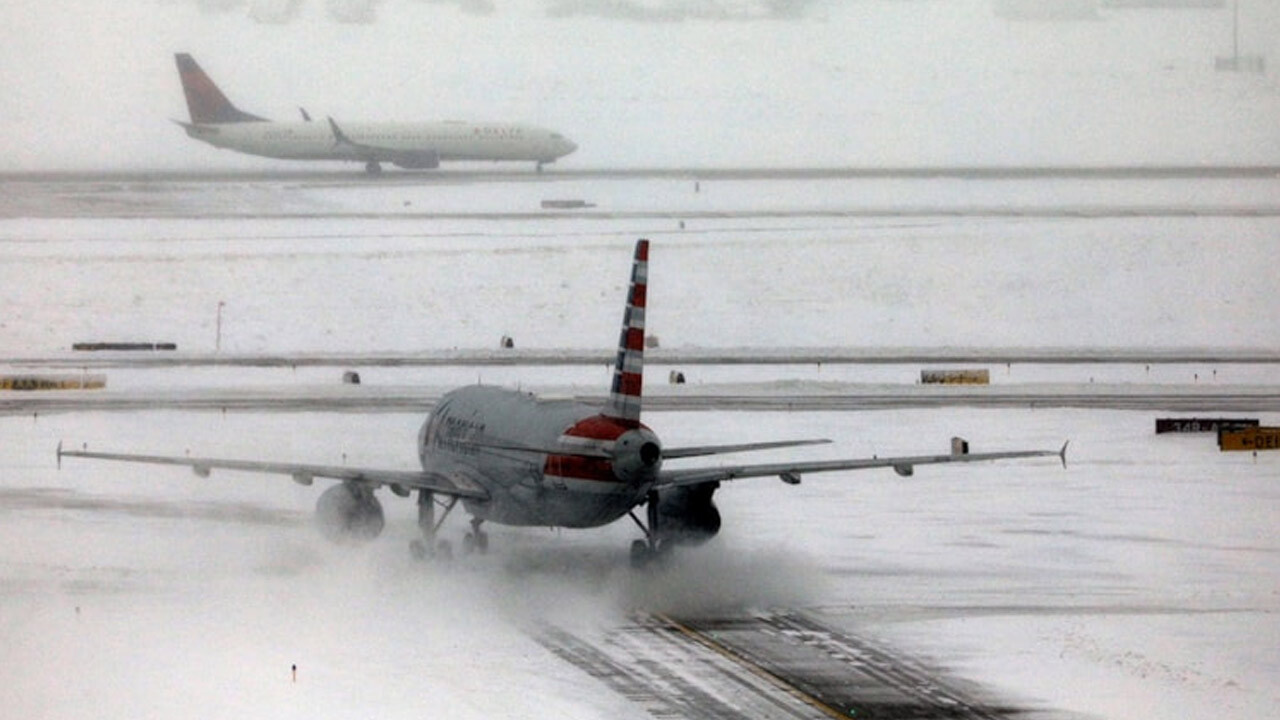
(401, 481)
(702, 450)
(414, 159)
(791, 472)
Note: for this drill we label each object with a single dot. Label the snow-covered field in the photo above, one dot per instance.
(1141, 581)
(815, 273)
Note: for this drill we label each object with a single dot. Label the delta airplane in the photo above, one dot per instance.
(514, 459)
(417, 146)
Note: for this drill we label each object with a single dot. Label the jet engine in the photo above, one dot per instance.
(636, 455)
(349, 512)
(687, 515)
(417, 160)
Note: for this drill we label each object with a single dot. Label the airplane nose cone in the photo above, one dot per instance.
(567, 146)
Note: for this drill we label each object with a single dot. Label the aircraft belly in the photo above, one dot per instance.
(528, 498)
(571, 504)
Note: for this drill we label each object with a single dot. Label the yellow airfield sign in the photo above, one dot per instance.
(1246, 439)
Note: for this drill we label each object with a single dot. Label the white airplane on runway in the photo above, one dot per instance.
(514, 459)
(419, 145)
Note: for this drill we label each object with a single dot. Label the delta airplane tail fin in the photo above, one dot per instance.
(205, 101)
(628, 371)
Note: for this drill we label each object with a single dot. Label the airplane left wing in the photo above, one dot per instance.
(791, 472)
(401, 480)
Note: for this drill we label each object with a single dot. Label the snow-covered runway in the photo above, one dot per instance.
(1139, 581)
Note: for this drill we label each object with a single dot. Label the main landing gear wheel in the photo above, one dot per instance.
(640, 554)
(372, 168)
(652, 547)
(476, 541)
(643, 554)
(419, 550)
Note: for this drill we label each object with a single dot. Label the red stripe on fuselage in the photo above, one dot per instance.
(579, 468)
(596, 427)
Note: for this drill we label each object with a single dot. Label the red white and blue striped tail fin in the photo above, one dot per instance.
(628, 372)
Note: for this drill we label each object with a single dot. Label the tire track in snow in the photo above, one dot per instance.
(779, 664)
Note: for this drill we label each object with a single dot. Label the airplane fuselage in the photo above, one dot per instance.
(429, 143)
(532, 488)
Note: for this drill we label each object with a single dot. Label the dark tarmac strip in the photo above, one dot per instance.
(744, 356)
(459, 174)
(772, 665)
(410, 400)
(46, 499)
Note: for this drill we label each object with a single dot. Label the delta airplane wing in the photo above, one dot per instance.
(412, 145)
(515, 459)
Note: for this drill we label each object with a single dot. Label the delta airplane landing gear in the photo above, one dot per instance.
(373, 168)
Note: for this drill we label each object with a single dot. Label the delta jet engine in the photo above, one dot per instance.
(429, 160)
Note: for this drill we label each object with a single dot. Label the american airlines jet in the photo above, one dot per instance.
(420, 145)
(514, 459)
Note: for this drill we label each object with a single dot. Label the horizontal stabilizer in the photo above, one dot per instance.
(702, 450)
(667, 454)
(558, 449)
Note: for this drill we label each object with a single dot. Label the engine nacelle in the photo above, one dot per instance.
(349, 513)
(687, 515)
(637, 455)
(417, 161)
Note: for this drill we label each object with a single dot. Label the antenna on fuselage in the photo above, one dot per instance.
(628, 371)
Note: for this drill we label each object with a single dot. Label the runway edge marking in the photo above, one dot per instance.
(743, 661)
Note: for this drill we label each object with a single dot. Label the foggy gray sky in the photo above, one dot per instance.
(651, 82)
